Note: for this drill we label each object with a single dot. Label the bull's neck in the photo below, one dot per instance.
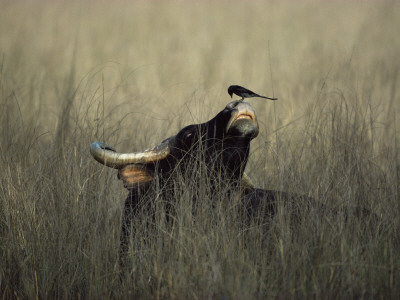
(235, 153)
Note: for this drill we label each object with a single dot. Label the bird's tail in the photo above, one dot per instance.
(269, 98)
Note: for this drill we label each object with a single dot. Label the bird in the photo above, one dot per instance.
(244, 93)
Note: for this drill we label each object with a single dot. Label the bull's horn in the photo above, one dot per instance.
(107, 155)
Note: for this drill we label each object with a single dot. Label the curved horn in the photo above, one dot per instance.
(107, 155)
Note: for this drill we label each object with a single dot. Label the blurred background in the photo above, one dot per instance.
(162, 63)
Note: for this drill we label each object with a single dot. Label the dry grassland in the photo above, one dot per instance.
(134, 73)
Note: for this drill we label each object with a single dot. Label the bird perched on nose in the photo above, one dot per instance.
(244, 93)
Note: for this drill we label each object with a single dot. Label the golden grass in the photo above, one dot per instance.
(132, 74)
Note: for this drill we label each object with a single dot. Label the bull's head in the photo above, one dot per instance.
(224, 141)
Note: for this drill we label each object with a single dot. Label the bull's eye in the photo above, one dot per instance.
(187, 139)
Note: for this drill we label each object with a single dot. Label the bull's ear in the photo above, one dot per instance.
(135, 175)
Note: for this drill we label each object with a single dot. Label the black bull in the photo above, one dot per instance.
(223, 144)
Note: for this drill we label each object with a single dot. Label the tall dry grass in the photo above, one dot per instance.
(132, 74)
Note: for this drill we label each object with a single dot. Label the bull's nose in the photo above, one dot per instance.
(233, 104)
